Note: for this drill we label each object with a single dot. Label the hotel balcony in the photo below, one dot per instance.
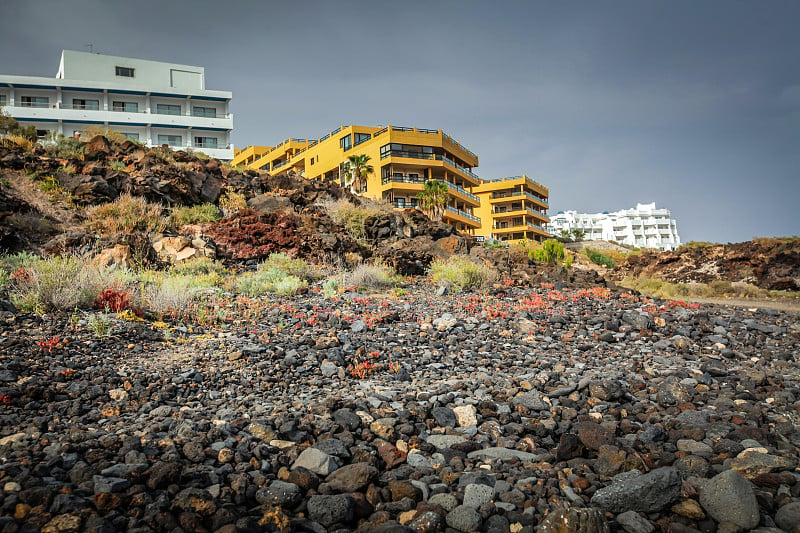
(434, 160)
(468, 219)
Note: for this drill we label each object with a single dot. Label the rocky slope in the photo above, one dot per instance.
(772, 264)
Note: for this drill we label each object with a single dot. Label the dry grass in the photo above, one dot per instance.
(197, 214)
(125, 215)
(461, 273)
(716, 289)
(54, 283)
(351, 216)
(375, 277)
(232, 202)
(18, 141)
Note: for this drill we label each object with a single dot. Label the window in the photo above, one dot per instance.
(127, 107)
(132, 136)
(311, 161)
(34, 101)
(2, 99)
(171, 140)
(125, 72)
(400, 202)
(168, 109)
(362, 137)
(205, 142)
(79, 103)
(209, 112)
(346, 142)
(41, 134)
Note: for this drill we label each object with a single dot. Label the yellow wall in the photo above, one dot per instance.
(513, 209)
(470, 196)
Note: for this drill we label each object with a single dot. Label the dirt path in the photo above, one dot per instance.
(25, 189)
(790, 306)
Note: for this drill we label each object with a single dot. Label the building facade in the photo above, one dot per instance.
(403, 159)
(514, 209)
(645, 226)
(151, 102)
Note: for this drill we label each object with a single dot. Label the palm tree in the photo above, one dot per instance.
(433, 199)
(356, 170)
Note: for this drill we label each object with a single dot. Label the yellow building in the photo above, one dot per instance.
(403, 159)
(513, 209)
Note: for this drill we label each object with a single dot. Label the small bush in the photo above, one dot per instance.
(551, 251)
(100, 325)
(18, 142)
(286, 264)
(55, 283)
(279, 273)
(599, 258)
(330, 289)
(66, 148)
(694, 245)
(200, 266)
(113, 136)
(460, 273)
(126, 214)
(30, 222)
(113, 299)
(352, 217)
(117, 165)
(374, 277)
(264, 281)
(197, 214)
(171, 296)
(232, 202)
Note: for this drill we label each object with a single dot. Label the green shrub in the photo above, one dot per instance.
(599, 258)
(279, 273)
(551, 251)
(117, 165)
(196, 214)
(126, 214)
(171, 295)
(264, 281)
(374, 277)
(460, 272)
(55, 283)
(330, 289)
(66, 148)
(286, 264)
(352, 217)
(200, 266)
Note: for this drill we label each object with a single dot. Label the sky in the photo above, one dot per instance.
(694, 105)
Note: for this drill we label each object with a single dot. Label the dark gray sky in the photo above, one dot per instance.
(694, 105)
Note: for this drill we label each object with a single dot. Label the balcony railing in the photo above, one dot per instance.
(206, 145)
(460, 189)
(536, 198)
(403, 205)
(278, 164)
(33, 104)
(455, 165)
(463, 214)
(402, 179)
(529, 180)
(411, 155)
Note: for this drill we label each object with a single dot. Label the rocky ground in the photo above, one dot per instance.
(547, 409)
(772, 264)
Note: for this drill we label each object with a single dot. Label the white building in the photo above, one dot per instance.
(643, 227)
(151, 102)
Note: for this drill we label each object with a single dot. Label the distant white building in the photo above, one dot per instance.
(643, 227)
(148, 101)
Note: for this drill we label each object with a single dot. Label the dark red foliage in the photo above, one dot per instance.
(251, 235)
(113, 299)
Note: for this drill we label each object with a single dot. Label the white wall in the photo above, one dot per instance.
(97, 67)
